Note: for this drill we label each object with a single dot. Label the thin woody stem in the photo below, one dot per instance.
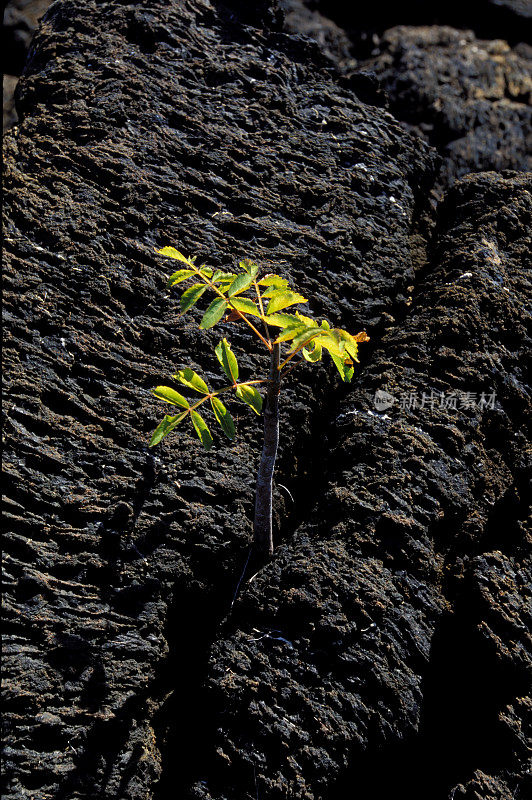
(262, 527)
(255, 284)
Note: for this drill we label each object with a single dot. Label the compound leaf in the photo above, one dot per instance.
(250, 396)
(332, 343)
(223, 277)
(168, 424)
(191, 296)
(282, 298)
(202, 429)
(305, 337)
(214, 313)
(224, 417)
(170, 395)
(192, 380)
(290, 333)
(227, 359)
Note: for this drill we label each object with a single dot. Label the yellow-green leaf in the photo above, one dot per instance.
(223, 277)
(290, 333)
(345, 370)
(214, 313)
(273, 280)
(313, 354)
(170, 395)
(168, 424)
(191, 296)
(331, 342)
(249, 266)
(305, 337)
(250, 396)
(179, 276)
(283, 320)
(202, 429)
(245, 306)
(282, 299)
(192, 380)
(224, 417)
(171, 252)
(227, 359)
(240, 284)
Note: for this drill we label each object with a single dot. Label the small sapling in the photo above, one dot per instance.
(261, 302)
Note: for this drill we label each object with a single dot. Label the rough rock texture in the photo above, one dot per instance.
(176, 125)
(365, 22)
(20, 20)
(355, 655)
(339, 646)
(470, 98)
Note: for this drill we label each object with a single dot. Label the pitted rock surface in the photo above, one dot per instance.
(468, 97)
(341, 624)
(205, 126)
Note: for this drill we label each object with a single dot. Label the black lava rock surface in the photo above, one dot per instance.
(386, 645)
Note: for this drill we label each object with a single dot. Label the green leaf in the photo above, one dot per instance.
(171, 252)
(205, 271)
(273, 280)
(223, 277)
(227, 359)
(345, 370)
(331, 342)
(245, 306)
(192, 380)
(214, 313)
(313, 354)
(249, 266)
(350, 344)
(283, 320)
(179, 276)
(282, 299)
(250, 396)
(170, 395)
(348, 371)
(168, 424)
(290, 333)
(201, 429)
(305, 337)
(191, 296)
(224, 417)
(240, 284)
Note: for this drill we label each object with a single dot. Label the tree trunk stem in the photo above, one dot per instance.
(262, 529)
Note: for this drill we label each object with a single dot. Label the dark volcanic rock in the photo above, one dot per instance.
(20, 20)
(176, 124)
(340, 646)
(202, 125)
(493, 19)
(469, 98)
